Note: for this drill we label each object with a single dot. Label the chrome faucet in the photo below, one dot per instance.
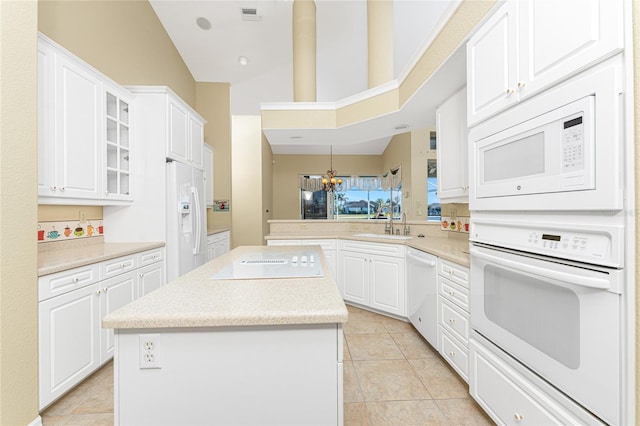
(405, 229)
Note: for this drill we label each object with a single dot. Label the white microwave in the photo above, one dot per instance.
(559, 151)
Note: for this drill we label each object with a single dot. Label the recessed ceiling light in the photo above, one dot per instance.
(243, 60)
(401, 127)
(203, 23)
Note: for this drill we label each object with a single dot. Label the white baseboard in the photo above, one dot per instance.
(36, 422)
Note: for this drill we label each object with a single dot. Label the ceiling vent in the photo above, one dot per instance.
(250, 14)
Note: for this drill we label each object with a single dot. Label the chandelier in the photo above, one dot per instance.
(329, 182)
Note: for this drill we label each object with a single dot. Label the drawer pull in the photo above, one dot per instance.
(518, 417)
(122, 265)
(452, 320)
(451, 293)
(452, 354)
(76, 279)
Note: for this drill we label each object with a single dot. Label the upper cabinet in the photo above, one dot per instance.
(451, 128)
(185, 133)
(83, 132)
(528, 46)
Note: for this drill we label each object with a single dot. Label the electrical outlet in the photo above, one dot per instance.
(150, 351)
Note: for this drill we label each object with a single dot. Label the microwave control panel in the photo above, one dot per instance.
(573, 145)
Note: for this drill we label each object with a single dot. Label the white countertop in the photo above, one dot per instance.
(196, 300)
(74, 256)
(452, 249)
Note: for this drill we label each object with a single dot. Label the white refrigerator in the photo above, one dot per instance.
(168, 206)
(186, 222)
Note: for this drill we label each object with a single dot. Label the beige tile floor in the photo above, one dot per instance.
(391, 377)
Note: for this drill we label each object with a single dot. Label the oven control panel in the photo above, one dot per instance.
(568, 242)
(596, 246)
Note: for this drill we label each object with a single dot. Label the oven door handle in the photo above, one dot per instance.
(579, 280)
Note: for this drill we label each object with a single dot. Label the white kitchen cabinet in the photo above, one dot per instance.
(150, 277)
(528, 46)
(208, 175)
(185, 132)
(84, 135)
(114, 293)
(218, 244)
(511, 394)
(68, 341)
(69, 128)
(71, 304)
(373, 275)
(452, 152)
(117, 170)
(454, 316)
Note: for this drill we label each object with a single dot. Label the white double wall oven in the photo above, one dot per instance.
(548, 242)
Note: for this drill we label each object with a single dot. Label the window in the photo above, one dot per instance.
(433, 202)
(352, 204)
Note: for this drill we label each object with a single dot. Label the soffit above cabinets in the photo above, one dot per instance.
(361, 125)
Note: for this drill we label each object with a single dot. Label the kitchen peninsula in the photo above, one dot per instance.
(213, 347)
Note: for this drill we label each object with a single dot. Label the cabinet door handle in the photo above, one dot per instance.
(54, 188)
(520, 84)
(518, 417)
(510, 91)
(62, 188)
(98, 292)
(105, 290)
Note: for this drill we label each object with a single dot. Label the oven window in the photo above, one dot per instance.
(544, 315)
(520, 158)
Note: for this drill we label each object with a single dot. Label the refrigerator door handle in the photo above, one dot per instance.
(198, 213)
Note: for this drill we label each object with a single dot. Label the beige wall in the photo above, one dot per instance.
(18, 214)
(287, 168)
(123, 39)
(246, 174)
(213, 101)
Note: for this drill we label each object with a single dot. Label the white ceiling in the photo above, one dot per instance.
(212, 56)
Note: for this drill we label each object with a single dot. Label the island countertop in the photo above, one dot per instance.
(196, 300)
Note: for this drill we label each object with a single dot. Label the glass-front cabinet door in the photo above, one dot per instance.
(117, 184)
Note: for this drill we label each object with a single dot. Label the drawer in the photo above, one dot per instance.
(218, 237)
(456, 273)
(113, 267)
(150, 256)
(454, 320)
(455, 354)
(454, 293)
(65, 281)
(328, 244)
(508, 397)
(382, 249)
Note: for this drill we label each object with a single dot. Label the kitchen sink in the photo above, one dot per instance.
(385, 236)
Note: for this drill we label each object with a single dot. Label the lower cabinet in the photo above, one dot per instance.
(72, 303)
(373, 275)
(453, 316)
(511, 394)
(218, 244)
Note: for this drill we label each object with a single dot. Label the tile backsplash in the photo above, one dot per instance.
(69, 230)
(455, 224)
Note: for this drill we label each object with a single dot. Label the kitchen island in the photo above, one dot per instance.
(233, 350)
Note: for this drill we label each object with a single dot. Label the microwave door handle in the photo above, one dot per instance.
(579, 280)
(429, 263)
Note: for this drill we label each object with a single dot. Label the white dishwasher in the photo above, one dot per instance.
(422, 297)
